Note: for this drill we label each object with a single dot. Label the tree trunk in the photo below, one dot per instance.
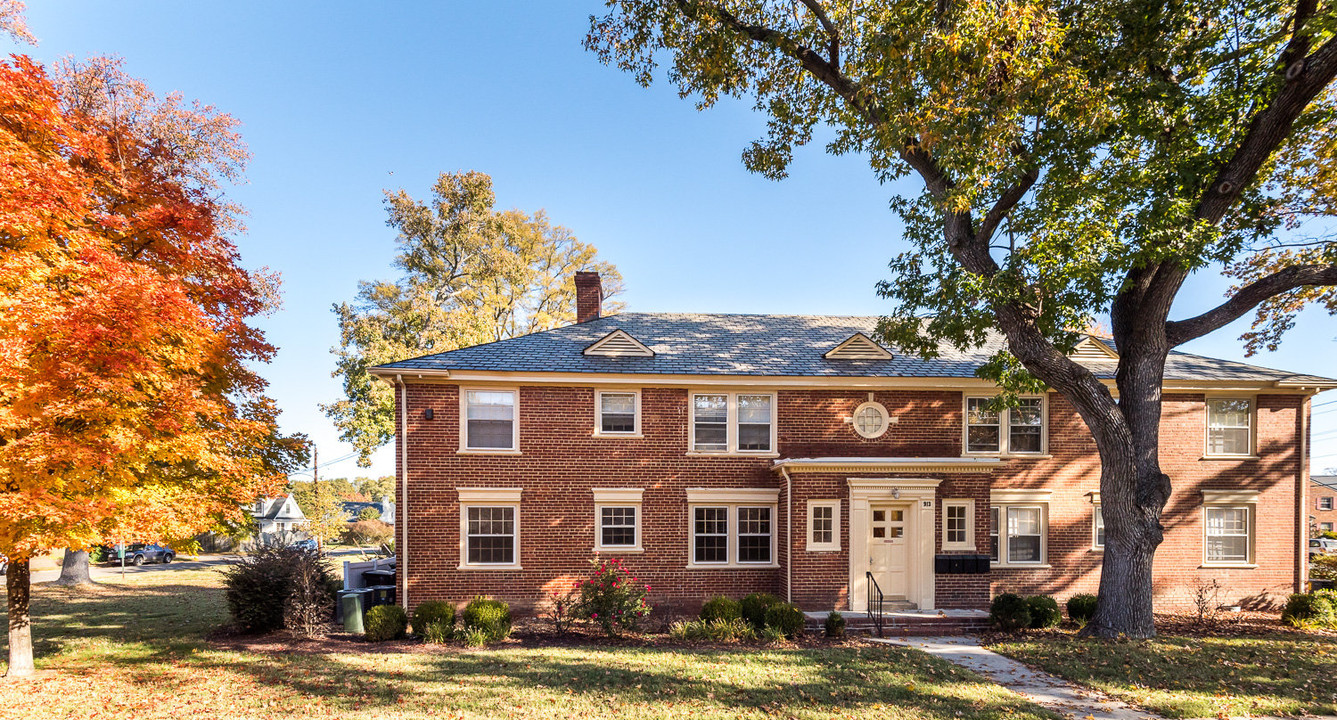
(19, 589)
(74, 568)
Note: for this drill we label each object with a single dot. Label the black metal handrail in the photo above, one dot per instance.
(875, 603)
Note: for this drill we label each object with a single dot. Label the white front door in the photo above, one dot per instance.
(888, 550)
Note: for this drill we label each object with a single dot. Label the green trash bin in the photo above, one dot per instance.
(352, 602)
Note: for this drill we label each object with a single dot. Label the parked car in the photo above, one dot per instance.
(4, 564)
(1322, 546)
(307, 544)
(138, 554)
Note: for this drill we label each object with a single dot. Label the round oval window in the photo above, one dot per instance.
(870, 420)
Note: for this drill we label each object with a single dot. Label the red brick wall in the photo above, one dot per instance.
(1316, 493)
(561, 461)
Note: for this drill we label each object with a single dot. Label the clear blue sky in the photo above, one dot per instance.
(340, 100)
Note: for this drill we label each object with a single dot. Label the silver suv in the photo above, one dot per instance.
(1322, 546)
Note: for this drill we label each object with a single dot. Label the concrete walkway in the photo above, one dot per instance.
(1059, 695)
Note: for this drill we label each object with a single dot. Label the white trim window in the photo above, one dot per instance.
(958, 525)
(489, 528)
(733, 423)
(1229, 530)
(870, 420)
(1017, 431)
(1325, 527)
(1229, 426)
(617, 520)
(732, 528)
(994, 533)
(1018, 533)
(618, 413)
(488, 420)
(823, 525)
(1325, 503)
(1097, 527)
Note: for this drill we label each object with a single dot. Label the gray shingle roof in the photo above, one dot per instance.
(772, 345)
(1328, 481)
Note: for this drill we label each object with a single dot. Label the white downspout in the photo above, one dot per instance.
(402, 513)
(789, 536)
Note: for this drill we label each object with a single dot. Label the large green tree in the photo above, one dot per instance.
(471, 274)
(1077, 157)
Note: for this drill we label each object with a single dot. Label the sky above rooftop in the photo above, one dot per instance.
(340, 101)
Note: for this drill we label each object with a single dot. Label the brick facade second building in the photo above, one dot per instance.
(728, 454)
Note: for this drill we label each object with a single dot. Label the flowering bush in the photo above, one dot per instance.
(614, 598)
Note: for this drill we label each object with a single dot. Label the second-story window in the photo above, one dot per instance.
(489, 420)
(733, 422)
(1018, 430)
(1229, 429)
(618, 413)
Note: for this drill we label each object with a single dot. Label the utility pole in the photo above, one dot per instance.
(315, 484)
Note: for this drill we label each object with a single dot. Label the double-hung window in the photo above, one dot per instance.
(1228, 531)
(1018, 527)
(1229, 426)
(732, 528)
(1018, 430)
(1098, 528)
(733, 423)
(489, 528)
(489, 421)
(618, 413)
(617, 519)
(1325, 503)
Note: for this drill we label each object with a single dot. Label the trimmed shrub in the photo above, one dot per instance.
(1010, 611)
(753, 608)
(257, 589)
(1044, 611)
(835, 625)
(435, 633)
(386, 622)
(433, 612)
(1082, 607)
(786, 618)
(614, 598)
(491, 617)
(1309, 609)
(721, 608)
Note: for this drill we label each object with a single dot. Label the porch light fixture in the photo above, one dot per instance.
(896, 493)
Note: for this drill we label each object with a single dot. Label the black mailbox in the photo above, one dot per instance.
(940, 564)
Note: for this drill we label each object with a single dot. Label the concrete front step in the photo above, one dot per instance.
(912, 623)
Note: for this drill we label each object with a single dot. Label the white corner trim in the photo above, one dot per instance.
(616, 495)
(1008, 497)
(1238, 497)
(763, 496)
(489, 495)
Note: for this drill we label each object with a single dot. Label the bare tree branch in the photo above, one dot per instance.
(1247, 298)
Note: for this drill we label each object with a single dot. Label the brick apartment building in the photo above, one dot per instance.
(793, 454)
(1323, 503)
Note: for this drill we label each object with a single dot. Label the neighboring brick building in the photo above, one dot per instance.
(792, 454)
(1323, 503)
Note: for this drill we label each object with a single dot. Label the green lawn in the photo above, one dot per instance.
(1195, 677)
(138, 650)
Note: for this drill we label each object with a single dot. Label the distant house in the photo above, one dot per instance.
(278, 519)
(386, 509)
(1323, 488)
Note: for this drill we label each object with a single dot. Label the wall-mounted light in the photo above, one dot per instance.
(428, 414)
(896, 493)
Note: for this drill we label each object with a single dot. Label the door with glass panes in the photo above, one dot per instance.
(888, 550)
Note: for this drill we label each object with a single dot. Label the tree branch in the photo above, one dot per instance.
(1248, 297)
(1004, 204)
(834, 46)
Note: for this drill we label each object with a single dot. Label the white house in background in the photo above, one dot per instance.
(278, 519)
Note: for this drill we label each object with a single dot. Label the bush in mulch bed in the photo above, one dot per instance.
(258, 589)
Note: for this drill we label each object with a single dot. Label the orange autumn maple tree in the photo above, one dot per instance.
(129, 409)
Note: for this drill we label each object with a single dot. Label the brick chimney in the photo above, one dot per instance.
(589, 296)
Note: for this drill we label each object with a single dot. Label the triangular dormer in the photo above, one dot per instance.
(1092, 349)
(619, 344)
(858, 347)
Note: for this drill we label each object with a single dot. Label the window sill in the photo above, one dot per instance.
(1228, 566)
(766, 455)
(733, 566)
(617, 436)
(1020, 566)
(620, 550)
(1010, 456)
(1097, 549)
(959, 548)
(473, 451)
(1230, 457)
(487, 567)
(823, 548)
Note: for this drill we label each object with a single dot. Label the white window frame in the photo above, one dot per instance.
(599, 414)
(1097, 527)
(1325, 527)
(871, 405)
(1325, 503)
(1004, 500)
(969, 542)
(1004, 428)
(732, 499)
(731, 424)
(1207, 426)
(1250, 534)
(834, 507)
(618, 498)
(488, 497)
(464, 422)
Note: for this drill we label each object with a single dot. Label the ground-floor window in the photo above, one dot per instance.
(1017, 534)
(1325, 527)
(489, 528)
(710, 535)
(1098, 528)
(823, 525)
(958, 524)
(732, 528)
(1228, 534)
(617, 519)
